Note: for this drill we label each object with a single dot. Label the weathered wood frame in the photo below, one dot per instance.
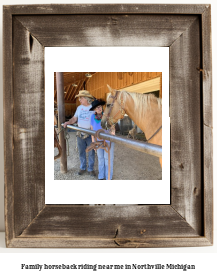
(186, 30)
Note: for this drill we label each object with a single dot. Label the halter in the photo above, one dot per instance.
(121, 109)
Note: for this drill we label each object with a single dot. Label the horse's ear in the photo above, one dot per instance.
(110, 89)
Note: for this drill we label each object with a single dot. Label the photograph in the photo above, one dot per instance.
(129, 109)
(111, 128)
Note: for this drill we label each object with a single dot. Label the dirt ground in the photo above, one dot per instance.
(129, 164)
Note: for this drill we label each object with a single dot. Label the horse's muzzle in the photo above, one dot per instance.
(104, 124)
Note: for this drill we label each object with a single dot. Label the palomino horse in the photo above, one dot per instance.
(144, 109)
(56, 141)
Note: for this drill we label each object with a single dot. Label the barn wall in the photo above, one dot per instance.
(70, 109)
(97, 84)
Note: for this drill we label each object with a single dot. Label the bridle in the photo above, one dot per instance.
(121, 109)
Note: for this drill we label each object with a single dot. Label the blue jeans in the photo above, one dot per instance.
(103, 162)
(82, 145)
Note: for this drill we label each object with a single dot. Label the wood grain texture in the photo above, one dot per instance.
(109, 222)
(107, 30)
(207, 119)
(34, 242)
(28, 127)
(63, 9)
(8, 125)
(206, 67)
(185, 113)
(188, 221)
(98, 82)
(208, 182)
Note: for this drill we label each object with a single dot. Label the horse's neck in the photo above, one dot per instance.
(134, 115)
(148, 120)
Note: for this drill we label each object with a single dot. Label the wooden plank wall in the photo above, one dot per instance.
(70, 109)
(97, 85)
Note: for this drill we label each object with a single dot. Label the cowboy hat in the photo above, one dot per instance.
(96, 103)
(84, 93)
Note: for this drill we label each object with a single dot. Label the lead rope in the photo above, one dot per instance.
(154, 133)
(100, 145)
(66, 137)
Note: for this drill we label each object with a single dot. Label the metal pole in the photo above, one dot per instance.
(148, 148)
(61, 119)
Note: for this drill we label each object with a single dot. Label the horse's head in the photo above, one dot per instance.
(114, 110)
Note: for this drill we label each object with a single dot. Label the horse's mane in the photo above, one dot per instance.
(142, 101)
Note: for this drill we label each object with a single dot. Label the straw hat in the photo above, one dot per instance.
(84, 93)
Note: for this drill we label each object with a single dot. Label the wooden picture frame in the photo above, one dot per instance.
(186, 30)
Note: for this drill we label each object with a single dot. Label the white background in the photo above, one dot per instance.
(203, 257)
(106, 59)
